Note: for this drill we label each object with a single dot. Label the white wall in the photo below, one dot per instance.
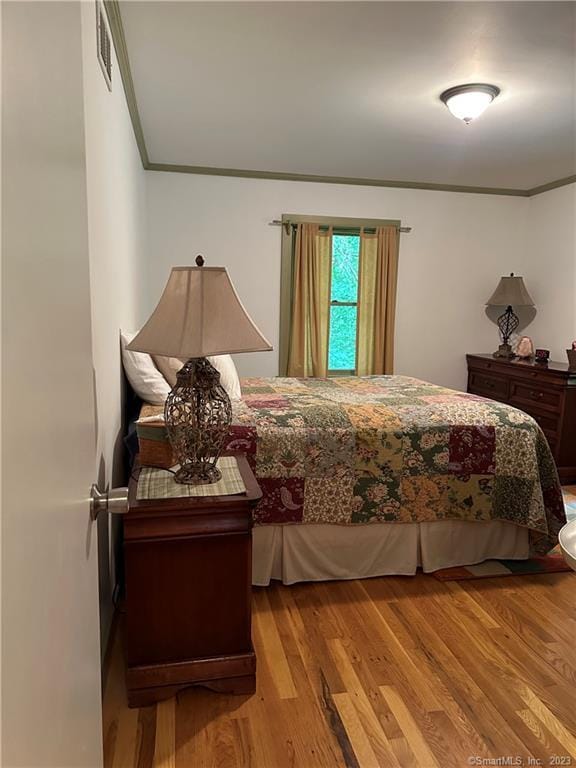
(552, 257)
(117, 236)
(450, 263)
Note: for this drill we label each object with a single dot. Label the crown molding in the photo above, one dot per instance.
(552, 185)
(117, 31)
(119, 39)
(359, 182)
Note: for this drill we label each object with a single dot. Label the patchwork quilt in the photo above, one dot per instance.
(394, 449)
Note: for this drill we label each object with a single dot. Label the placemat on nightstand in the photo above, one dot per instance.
(155, 483)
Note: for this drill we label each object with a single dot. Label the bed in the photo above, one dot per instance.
(369, 476)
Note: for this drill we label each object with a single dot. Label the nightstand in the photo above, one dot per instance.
(188, 568)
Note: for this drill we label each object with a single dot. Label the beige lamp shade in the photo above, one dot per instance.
(199, 314)
(511, 292)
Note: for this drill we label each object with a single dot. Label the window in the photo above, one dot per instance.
(346, 354)
(343, 304)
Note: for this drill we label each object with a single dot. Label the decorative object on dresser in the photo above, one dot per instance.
(525, 348)
(542, 356)
(198, 314)
(547, 393)
(572, 357)
(510, 292)
(188, 570)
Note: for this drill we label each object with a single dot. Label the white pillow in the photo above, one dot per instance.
(228, 375)
(145, 378)
(168, 367)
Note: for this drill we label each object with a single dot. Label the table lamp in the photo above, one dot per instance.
(198, 314)
(510, 292)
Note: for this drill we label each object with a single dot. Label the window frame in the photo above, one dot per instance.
(341, 225)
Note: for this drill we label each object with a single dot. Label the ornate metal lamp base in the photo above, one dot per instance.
(504, 350)
(197, 474)
(198, 414)
(507, 322)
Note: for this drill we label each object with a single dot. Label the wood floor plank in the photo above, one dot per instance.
(126, 739)
(411, 731)
(310, 633)
(165, 742)
(359, 739)
(146, 737)
(414, 668)
(464, 601)
(363, 705)
(550, 745)
(265, 627)
(550, 721)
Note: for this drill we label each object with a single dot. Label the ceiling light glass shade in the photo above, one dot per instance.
(467, 102)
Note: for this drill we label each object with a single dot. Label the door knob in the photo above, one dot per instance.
(114, 502)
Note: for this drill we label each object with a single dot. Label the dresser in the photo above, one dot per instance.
(546, 391)
(188, 573)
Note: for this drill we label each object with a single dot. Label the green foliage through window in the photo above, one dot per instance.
(344, 297)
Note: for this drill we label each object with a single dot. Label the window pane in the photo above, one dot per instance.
(345, 249)
(342, 342)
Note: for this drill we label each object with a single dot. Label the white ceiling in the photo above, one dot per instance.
(351, 88)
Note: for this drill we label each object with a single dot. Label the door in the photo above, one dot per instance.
(51, 714)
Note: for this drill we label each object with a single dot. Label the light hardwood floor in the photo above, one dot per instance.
(406, 672)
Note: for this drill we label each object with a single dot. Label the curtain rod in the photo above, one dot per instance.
(288, 224)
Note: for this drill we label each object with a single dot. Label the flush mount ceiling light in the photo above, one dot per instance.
(467, 102)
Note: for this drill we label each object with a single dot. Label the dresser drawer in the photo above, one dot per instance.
(488, 385)
(540, 374)
(524, 394)
(545, 392)
(548, 421)
(482, 365)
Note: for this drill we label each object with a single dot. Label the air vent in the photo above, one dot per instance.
(104, 45)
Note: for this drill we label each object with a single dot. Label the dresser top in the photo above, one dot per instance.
(550, 367)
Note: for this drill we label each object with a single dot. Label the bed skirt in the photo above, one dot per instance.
(293, 553)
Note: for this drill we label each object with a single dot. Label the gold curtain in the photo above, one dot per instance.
(308, 350)
(378, 274)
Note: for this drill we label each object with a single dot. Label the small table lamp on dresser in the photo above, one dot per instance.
(198, 314)
(510, 292)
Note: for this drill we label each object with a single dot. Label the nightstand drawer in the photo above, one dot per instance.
(522, 394)
(488, 385)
